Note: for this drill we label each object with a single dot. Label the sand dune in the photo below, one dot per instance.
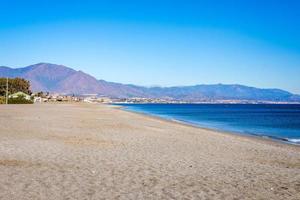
(84, 151)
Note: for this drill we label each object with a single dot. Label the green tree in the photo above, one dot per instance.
(14, 85)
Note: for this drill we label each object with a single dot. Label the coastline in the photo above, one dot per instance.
(96, 151)
(264, 138)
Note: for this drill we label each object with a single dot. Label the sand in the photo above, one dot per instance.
(88, 151)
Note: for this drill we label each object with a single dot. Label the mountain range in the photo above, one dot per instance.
(61, 79)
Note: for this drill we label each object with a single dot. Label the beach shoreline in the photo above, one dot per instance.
(96, 151)
(238, 134)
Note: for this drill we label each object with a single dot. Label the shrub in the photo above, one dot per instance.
(19, 100)
(2, 100)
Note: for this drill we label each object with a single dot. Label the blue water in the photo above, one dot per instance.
(275, 121)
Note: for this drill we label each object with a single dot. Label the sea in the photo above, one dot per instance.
(275, 121)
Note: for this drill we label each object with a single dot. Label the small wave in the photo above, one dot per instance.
(294, 140)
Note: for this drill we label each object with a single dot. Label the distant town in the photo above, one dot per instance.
(94, 98)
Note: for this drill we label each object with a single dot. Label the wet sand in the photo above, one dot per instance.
(88, 151)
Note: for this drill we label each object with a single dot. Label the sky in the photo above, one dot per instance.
(159, 42)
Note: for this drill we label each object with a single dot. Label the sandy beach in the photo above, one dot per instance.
(92, 151)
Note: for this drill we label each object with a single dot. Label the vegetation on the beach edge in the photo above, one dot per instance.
(15, 85)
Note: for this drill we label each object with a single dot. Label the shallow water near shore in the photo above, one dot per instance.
(276, 121)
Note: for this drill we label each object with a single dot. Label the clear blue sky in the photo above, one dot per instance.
(251, 42)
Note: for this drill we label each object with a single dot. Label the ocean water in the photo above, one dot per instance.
(280, 122)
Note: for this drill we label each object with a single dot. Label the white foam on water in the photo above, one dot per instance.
(294, 140)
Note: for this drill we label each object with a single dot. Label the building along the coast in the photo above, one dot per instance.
(20, 94)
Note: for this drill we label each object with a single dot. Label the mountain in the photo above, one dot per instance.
(62, 79)
(54, 78)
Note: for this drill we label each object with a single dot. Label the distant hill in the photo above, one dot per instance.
(62, 79)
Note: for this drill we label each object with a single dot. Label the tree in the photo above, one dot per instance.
(14, 85)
